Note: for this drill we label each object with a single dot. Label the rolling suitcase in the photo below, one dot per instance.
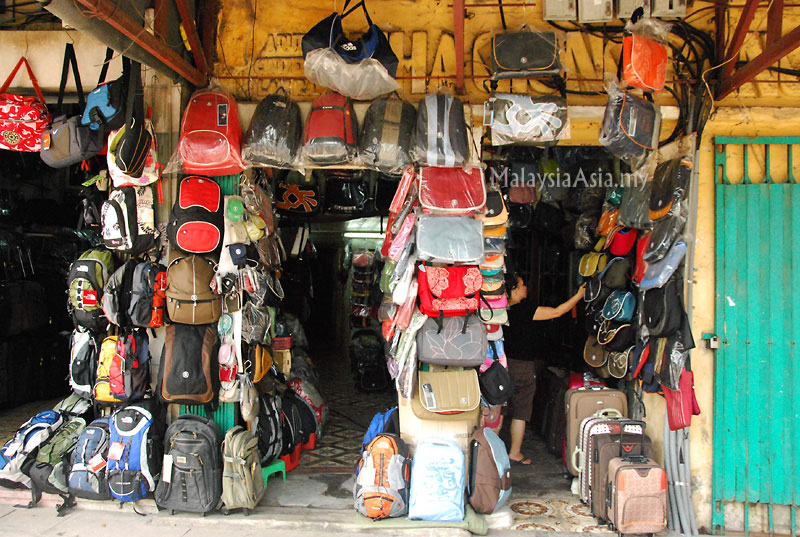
(636, 495)
(582, 455)
(582, 403)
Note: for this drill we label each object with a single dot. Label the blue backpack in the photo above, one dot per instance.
(87, 477)
(135, 447)
(105, 105)
(386, 422)
(32, 434)
(437, 481)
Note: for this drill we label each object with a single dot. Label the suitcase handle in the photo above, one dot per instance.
(608, 413)
(622, 425)
(576, 459)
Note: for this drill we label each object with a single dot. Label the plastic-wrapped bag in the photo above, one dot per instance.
(523, 119)
(450, 239)
(345, 193)
(672, 176)
(525, 54)
(406, 355)
(631, 126)
(634, 210)
(440, 136)
(451, 190)
(255, 323)
(658, 273)
(275, 135)
(331, 129)
(644, 54)
(364, 80)
(584, 231)
(386, 135)
(665, 232)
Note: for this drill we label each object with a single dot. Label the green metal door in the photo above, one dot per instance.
(757, 374)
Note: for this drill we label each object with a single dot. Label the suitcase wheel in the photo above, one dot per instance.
(246, 511)
(226, 512)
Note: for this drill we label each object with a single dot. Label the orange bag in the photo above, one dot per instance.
(644, 63)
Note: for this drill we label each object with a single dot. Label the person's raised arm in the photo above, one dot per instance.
(544, 313)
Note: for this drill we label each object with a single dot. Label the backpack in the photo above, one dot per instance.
(117, 295)
(437, 481)
(190, 299)
(191, 479)
(331, 128)
(346, 192)
(135, 444)
(30, 435)
(148, 295)
(105, 105)
(270, 428)
(292, 422)
(242, 483)
(129, 150)
(129, 375)
(101, 392)
(275, 134)
(196, 224)
(367, 361)
(440, 137)
(311, 396)
(85, 282)
(489, 476)
(49, 469)
(87, 478)
(211, 136)
(148, 161)
(83, 351)
(189, 372)
(127, 220)
(386, 135)
(296, 193)
(382, 478)
(386, 422)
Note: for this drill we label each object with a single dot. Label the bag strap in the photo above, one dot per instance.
(502, 15)
(134, 106)
(34, 82)
(495, 354)
(361, 5)
(104, 69)
(70, 60)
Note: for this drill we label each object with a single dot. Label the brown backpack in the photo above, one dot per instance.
(190, 299)
(489, 476)
(189, 372)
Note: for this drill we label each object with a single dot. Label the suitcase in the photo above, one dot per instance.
(582, 455)
(637, 495)
(603, 445)
(582, 380)
(582, 403)
(555, 436)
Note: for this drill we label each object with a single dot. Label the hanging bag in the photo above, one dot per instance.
(22, 119)
(524, 119)
(105, 105)
(386, 135)
(524, 54)
(440, 137)
(133, 146)
(451, 190)
(275, 135)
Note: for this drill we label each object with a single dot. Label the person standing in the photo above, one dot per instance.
(518, 341)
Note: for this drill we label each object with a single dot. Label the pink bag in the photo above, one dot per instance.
(452, 190)
(681, 403)
(496, 303)
(400, 241)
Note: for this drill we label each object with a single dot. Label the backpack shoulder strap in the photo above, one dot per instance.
(70, 60)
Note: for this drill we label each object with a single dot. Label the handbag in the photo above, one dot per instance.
(670, 184)
(634, 209)
(681, 403)
(619, 306)
(658, 273)
(22, 119)
(665, 232)
(451, 190)
(345, 193)
(620, 241)
(525, 54)
(452, 341)
(616, 274)
(496, 383)
(450, 239)
(615, 336)
(133, 146)
(644, 63)
(448, 291)
(523, 119)
(630, 127)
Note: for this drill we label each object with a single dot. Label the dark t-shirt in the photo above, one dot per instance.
(518, 335)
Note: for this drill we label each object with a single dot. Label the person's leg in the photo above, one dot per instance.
(524, 376)
(517, 434)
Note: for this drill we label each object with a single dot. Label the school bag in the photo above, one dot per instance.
(385, 140)
(148, 295)
(197, 222)
(190, 299)
(440, 136)
(127, 220)
(383, 478)
(191, 477)
(136, 435)
(105, 105)
(23, 119)
(211, 135)
(452, 190)
(270, 428)
(292, 422)
(489, 476)
(386, 422)
(117, 295)
(101, 392)
(129, 374)
(298, 194)
(331, 129)
(30, 435)
(242, 483)
(437, 481)
(275, 135)
(449, 291)
(49, 469)
(83, 352)
(87, 477)
(85, 282)
(311, 396)
(189, 372)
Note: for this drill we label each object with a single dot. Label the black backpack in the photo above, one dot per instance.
(292, 422)
(191, 479)
(663, 310)
(134, 145)
(196, 225)
(346, 193)
(386, 135)
(449, 136)
(275, 135)
(117, 295)
(270, 428)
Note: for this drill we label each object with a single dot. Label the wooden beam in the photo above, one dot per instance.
(772, 54)
(161, 19)
(107, 11)
(720, 23)
(745, 19)
(209, 16)
(774, 21)
(191, 35)
(458, 30)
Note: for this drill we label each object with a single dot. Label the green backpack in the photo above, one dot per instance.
(85, 282)
(49, 469)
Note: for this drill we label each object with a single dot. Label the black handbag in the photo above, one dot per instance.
(525, 54)
(372, 44)
(662, 309)
(630, 125)
(345, 193)
(134, 145)
(496, 383)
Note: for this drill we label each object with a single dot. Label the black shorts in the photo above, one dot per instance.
(524, 375)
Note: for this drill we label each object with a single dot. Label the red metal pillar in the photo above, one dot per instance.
(745, 19)
(458, 29)
(191, 34)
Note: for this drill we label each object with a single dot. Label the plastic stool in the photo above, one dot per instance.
(276, 466)
(292, 459)
(312, 442)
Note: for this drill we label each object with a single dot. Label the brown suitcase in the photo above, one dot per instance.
(582, 455)
(582, 403)
(637, 495)
(603, 448)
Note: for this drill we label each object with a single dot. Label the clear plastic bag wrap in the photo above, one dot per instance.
(386, 135)
(634, 209)
(523, 119)
(494, 245)
(526, 54)
(452, 190)
(275, 135)
(665, 232)
(440, 136)
(407, 355)
(584, 231)
(658, 273)
(672, 176)
(644, 54)
(364, 80)
(631, 125)
(255, 323)
(330, 131)
(554, 185)
(450, 239)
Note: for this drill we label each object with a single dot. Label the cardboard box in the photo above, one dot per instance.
(283, 361)
(416, 423)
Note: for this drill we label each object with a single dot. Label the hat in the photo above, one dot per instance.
(234, 209)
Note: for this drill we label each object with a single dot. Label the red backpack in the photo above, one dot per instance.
(211, 135)
(331, 130)
(197, 222)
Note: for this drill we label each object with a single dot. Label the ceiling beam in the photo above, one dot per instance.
(110, 13)
(771, 55)
(745, 19)
(191, 35)
(774, 21)
(720, 23)
(458, 31)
